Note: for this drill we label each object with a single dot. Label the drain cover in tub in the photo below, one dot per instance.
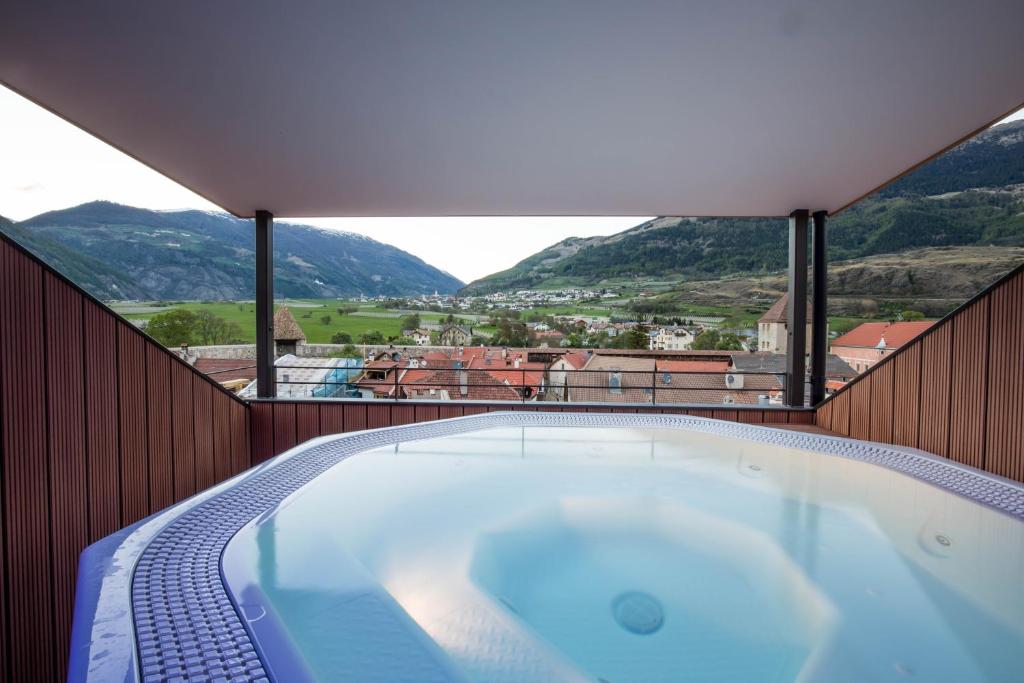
(638, 613)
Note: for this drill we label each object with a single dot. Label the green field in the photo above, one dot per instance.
(244, 314)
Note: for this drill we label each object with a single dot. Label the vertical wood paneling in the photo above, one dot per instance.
(27, 557)
(936, 355)
(426, 413)
(378, 415)
(332, 418)
(87, 443)
(823, 416)
(906, 395)
(860, 409)
(841, 414)
(261, 416)
(881, 404)
(801, 418)
(969, 375)
(222, 452)
(449, 411)
(65, 396)
(355, 417)
(202, 400)
(307, 421)
(101, 418)
(161, 434)
(776, 417)
(284, 427)
(183, 431)
(241, 451)
(403, 414)
(956, 391)
(133, 428)
(1004, 433)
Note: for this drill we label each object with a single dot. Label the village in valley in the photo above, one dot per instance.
(569, 345)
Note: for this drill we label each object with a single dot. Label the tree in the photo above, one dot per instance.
(729, 342)
(372, 337)
(401, 341)
(912, 315)
(637, 337)
(173, 328)
(706, 341)
(346, 309)
(212, 329)
(411, 322)
(325, 319)
(341, 338)
(349, 351)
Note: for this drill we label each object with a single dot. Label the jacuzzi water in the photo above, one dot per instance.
(630, 556)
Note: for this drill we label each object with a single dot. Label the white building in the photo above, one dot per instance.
(672, 339)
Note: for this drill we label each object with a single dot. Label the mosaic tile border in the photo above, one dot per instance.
(187, 627)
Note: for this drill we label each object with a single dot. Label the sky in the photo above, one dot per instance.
(47, 164)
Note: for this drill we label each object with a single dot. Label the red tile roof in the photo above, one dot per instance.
(227, 369)
(692, 366)
(896, 334)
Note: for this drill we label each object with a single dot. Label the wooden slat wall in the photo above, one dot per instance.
(956, 391)
(278, 425)
(97, 426)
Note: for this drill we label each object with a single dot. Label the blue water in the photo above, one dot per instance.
(633, 556)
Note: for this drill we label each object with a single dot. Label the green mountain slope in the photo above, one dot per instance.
(121, 252)
(971, 196)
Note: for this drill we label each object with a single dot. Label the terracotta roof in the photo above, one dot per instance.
(480, 386)
(777, 313)
(285, 326)
(227, 369)
(576, 359)
(692, 366)
(896, 334)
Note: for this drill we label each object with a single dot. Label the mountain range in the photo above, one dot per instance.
(973, 195)
(121, 252)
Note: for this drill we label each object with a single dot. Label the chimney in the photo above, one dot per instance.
(464, 383)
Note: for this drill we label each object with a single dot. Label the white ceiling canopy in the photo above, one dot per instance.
(553, 107)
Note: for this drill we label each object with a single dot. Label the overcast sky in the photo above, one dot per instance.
(47, 164)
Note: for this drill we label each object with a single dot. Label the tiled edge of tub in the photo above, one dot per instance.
(161, 578)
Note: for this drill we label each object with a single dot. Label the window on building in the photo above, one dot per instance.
(615, 382)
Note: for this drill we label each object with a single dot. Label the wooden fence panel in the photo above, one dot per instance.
(955, 391)
(936, 355)
(1004, 431)
(86, 446)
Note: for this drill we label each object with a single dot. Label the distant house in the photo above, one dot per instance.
(671, 339)
(868, 343)
(455, 335)
(420, 337)
(287, 333)
(550, 338)
(773, 327)
(559, 370)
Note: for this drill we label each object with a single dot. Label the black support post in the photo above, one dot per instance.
(266, 381)
(796, 318)
(819, 314)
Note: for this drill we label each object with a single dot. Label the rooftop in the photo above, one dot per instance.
(885, 334)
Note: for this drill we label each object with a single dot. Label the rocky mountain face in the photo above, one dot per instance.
(971, 196)
(122, 252)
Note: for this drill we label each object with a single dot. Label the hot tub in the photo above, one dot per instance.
(556, 547)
